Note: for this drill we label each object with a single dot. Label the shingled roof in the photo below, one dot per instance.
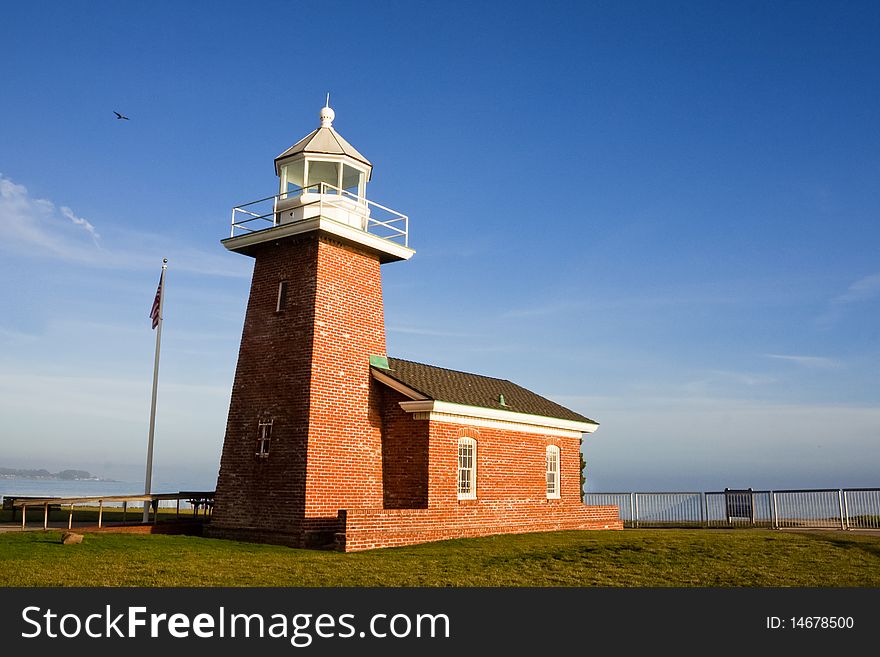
(441, 384)
(324, 140)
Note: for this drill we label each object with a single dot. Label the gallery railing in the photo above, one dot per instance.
(325, 200)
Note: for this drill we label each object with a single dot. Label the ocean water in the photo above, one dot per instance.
(59, 488)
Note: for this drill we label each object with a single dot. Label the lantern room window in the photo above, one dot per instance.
(308, 174)
(353, 181)
(323, 172)
(292, 177)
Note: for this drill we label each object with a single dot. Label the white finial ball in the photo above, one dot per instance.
(327, 116)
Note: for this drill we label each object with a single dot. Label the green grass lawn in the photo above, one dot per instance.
(628, 558)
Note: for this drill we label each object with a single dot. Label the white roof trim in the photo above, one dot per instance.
(313, 156)
(447, 408)
(496, 424)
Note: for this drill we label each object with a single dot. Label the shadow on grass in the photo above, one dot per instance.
(856, 543)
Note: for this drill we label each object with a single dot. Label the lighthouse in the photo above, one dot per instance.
(332, 443)
(303, 436)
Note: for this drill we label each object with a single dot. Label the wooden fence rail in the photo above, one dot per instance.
(203, 500)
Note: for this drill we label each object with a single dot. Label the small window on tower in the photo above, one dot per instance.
(263, 438)
(282, 297)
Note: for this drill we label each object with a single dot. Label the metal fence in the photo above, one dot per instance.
(844, 508)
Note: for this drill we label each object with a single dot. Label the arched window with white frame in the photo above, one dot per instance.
(467, 469)
(552, 472)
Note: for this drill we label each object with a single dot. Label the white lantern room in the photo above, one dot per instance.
(323, 164)
(322, 185)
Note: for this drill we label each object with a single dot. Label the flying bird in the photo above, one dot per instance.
(119, 116)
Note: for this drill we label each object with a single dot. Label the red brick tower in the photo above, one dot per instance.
(303, 437)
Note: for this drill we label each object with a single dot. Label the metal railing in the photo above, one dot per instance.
(264, 213)
(843, 508)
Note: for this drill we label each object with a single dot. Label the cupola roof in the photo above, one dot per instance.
(324, 140)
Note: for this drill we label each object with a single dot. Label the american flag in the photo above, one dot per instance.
(154, 313)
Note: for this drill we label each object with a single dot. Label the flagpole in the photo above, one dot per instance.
(149, 477)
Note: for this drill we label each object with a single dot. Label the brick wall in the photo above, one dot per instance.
(345, 426)
(305, 367)
(364, 529)
(272, 381)
(511, 486)
(511, 466)
(404, 454)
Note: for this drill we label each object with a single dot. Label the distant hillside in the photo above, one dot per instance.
(64, 475)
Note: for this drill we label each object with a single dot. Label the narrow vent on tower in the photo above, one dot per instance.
(282, 297)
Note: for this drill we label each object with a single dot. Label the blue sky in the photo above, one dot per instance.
(663, 215)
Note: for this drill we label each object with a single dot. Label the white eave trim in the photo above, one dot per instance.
(326, 225)
(447, 412)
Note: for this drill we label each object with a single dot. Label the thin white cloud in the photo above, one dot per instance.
(808, 361)
(58, 232)
(83, 223)
(543, 311)
(91, 417)
(69, 326)
(10, 335)
(121, 398)
(744, 378)
(714, 380)
(671, 299)
(38, 224)
(861, 290)
(411, 330)
(673, 443)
